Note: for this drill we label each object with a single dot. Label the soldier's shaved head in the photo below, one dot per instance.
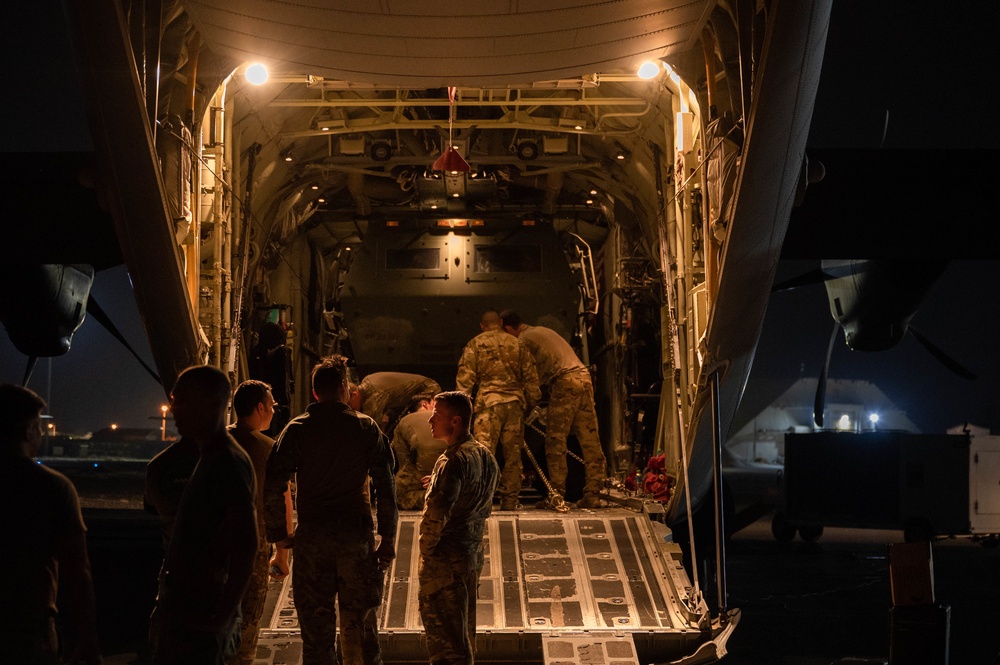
(490, 320)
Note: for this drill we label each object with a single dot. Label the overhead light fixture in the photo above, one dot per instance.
(572, 121)
(648, 70)
(314, 186)
(620, 155)
(451, 159)
(256, 74)
(593, 192)
(287, 155)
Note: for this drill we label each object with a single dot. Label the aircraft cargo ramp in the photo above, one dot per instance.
(597, 586)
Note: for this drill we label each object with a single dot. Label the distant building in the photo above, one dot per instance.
(754, 456)
(850, 406)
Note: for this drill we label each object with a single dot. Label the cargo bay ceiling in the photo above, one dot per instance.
(547, 108)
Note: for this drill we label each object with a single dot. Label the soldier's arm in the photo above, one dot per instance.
(466, 379)
(403, 450)
(281, 464)
(440, 501)
(529, 377)
(380, 471)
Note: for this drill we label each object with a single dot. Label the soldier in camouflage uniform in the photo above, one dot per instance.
(334, 451)
(504, 372)
(385, 395)
(571, 407)
(459, 499)
(416, 452)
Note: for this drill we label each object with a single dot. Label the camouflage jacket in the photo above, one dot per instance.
(554, 357)
(500, 368)
(385, 392)
(459, 499)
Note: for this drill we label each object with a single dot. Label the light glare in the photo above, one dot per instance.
(648, 70)
(257, 74)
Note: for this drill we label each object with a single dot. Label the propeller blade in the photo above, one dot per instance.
(819, 406)
(817, 276)
(98, 313)
(28, 370)
(943, 357)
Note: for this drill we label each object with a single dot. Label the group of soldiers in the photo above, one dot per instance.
(505, 366)
(223, 495)
(221, 513)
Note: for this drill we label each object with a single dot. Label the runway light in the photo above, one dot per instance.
(256, 74)
(648, 70)
(114, 426)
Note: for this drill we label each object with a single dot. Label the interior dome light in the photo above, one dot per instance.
(256, 74)
(648, 70)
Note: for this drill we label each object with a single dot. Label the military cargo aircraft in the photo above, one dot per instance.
(403, 167)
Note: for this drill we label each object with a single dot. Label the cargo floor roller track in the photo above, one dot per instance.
(587, 586)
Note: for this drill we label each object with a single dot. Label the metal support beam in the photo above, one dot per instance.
(720, 519)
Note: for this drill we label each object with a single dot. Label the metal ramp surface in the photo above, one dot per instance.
(556, 587)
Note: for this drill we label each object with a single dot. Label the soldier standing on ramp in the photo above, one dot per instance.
(571, 407)
(459, 499)
(334, 451)
(504, 372)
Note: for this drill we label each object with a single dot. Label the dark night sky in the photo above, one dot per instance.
(928, 65)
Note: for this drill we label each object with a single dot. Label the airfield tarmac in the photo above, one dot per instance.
(802, 603)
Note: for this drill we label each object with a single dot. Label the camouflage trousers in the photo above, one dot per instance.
(503, 424)
(409, 490)
(448, 591)
(336, 567)
(252, 606)
(571, 410)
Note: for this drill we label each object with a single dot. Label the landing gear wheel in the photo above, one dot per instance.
(810, 534)
(782, 530)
